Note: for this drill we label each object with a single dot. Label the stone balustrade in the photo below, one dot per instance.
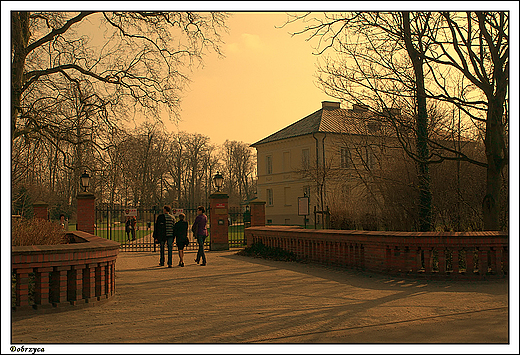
(418, 254)
(47, 277)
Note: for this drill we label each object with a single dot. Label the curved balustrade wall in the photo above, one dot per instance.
(63, 275)
(428, 254)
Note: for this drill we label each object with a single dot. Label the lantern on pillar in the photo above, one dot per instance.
(85, 181)
(218, 180)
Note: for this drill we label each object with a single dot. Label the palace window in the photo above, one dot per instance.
(269, 165)
(369, 158)
(269, 197)
(305, 158)
(286, 161)
(345, 158)
(287, 196)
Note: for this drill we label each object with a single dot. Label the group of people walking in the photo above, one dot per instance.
(167, 230)
(130, 226)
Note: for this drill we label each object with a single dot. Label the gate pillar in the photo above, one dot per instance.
(219, 221)
(86, 212)
(257, 208)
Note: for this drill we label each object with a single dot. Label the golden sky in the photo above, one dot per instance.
(264, 83)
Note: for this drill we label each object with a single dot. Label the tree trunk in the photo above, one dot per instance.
(19, 39)
(425, 196)
(494, 142)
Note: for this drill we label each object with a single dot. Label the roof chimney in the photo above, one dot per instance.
(359, 108)
(330, 105)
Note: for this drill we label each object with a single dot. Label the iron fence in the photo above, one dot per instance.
(110, 224)
(236, 227)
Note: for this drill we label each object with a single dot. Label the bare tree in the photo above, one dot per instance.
(71, 90)
(400, 60)
(141, 65)
(476, 45)
(239, 164)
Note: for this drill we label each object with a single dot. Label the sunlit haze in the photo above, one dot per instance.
(264, 83)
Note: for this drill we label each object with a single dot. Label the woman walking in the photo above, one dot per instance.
(180, 230)
(200, 232)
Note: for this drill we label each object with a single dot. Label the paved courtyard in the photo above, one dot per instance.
(242, 300)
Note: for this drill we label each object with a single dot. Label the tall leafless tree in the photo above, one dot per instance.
(389, 60)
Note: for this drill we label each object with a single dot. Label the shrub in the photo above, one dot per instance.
(36, 232)
(259, 250)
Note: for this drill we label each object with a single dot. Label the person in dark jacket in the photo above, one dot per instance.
(180, 230)
(128, 228)
(200, 232)
(163, 233)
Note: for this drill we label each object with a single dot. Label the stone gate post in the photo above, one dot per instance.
(257, 208)
(219, 221)
(86, 212)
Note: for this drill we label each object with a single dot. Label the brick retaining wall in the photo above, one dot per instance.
(428, 254)
(64, 275)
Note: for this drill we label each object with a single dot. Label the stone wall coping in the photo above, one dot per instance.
(484, 238)
(381, 233)
(84, 242)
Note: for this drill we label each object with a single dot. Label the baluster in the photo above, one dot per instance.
(76, 284)
(470, 261)
(482, 261)
(497, 261)
(441, 256)
(505, 260)
(59, 285)
(455, 261)
(407, 260)
(427, 261)
(493, 260)
(22, 286)
(388, 258)
(89, 282)
(400, 257)
(361, 256)
(356, 256)
(42, 286)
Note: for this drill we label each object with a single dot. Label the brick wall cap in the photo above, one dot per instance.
(477, 234)
(217, 195)
(85, 196)
(93, 243)
(257, 202)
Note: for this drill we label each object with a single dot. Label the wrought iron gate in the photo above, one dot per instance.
(236, 227)
(110, 224)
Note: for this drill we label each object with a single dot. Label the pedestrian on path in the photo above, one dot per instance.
(200, 232)
(133, 224)
(163, 233)
(128, 228)
(64, 223)
(180, 230)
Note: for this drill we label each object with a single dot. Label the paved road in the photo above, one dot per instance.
(237, 299)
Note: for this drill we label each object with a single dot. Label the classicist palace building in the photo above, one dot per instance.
(328, 156)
